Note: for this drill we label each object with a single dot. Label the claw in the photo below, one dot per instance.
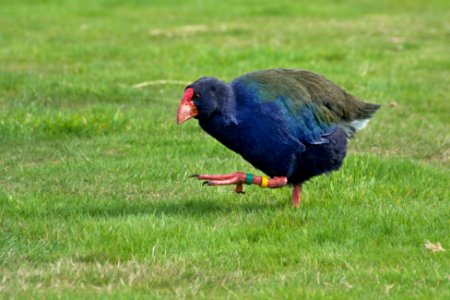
(194, 175)
(205, 183)
(239, 188)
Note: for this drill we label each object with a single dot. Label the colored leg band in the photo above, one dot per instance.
(248, 178)
(264, 181)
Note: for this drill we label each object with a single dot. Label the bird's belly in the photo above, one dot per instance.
(276, 154)
(267, 150)
(273, 158)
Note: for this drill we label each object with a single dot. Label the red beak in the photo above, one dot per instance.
(187, 109)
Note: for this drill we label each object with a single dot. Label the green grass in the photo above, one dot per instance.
(95, 199)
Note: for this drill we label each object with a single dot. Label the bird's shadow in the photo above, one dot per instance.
(194, 207)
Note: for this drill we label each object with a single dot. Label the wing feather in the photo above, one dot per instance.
(314, 103)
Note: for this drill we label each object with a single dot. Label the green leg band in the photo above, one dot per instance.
(248, 178)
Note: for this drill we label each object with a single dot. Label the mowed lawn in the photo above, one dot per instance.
(95, 194)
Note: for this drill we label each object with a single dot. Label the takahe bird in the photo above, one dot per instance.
(290, 124)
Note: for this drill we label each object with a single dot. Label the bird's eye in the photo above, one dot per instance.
(196, 96)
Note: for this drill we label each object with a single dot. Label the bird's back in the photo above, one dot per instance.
(303, 92)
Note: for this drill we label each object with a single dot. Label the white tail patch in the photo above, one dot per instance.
(359, 124)
(350, 128)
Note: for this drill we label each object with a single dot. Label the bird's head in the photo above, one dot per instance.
(203, 98)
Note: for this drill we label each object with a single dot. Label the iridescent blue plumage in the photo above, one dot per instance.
(301, 118)
(284, 122)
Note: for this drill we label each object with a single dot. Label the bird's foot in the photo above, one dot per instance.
(241, 178)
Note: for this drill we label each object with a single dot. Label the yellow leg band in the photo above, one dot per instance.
(264, 181)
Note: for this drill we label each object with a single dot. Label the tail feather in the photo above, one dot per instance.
(366, 111)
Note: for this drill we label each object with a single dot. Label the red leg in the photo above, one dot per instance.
(239, 178)
(218, 176)
(296, 195)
